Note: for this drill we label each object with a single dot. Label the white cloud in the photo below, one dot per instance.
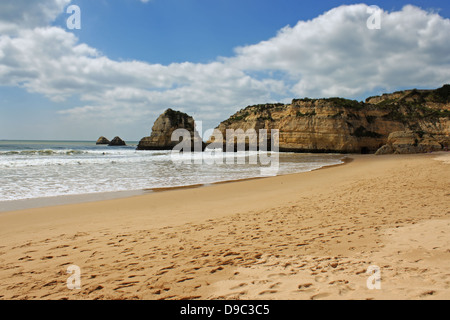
(50, 61)
(20, 14)
(336, 54)
(332, 55)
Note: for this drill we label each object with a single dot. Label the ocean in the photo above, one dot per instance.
(41, 169)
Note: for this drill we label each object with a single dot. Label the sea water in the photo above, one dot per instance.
(39, 169)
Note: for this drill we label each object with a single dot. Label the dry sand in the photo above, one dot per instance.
(302, 236)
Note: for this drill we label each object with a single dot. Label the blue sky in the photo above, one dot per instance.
(133, 59)
(166, 31)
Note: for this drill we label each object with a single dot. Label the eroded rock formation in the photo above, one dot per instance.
(404, 142)
(103, 140)
(164, 126)
(117, 141)
(347, 126)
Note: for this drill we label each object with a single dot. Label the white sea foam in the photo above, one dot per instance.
(28, 172)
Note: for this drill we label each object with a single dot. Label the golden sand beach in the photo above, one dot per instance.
(311, 235)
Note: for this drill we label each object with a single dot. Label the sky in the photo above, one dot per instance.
(132, 59)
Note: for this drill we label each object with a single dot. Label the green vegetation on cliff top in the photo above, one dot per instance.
(410, 106)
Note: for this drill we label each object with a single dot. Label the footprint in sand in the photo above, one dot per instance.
(126, 285)
(277, 275)
(185, 279)
(321, 278)
(27, 258)
(320, 296)
(239, 286)
(304, 286)
(265, 292)
(427, 294)
(275, 285)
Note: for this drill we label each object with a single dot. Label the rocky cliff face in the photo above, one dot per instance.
(347, 126)
(164, 126)
(405, 142)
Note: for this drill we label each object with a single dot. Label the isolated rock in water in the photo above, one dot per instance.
(117, 142)
(103, 140)
(407, 142)
(164, 126)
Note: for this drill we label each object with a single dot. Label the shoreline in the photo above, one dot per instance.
(345, 160)
(33, 203)
(309, 235)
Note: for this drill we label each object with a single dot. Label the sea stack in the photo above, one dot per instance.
(103, 140)
(117, 141)
(164, 126)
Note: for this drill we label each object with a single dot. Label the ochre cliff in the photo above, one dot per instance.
(402, 142)
(347, 126)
